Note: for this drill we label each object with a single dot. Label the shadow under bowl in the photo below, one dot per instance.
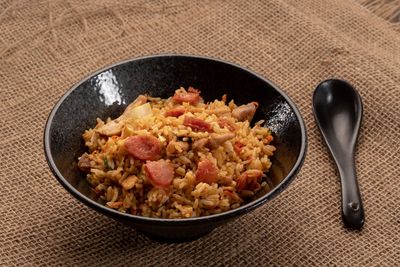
(107, 92)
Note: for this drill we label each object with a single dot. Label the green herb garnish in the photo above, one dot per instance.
(106, 164)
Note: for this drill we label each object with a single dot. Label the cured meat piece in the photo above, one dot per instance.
(175, 112)
(160, 173)
(225, 123)
(206, 172)
(143, 147)
(197, 124)
(249, 180)
(192, 96)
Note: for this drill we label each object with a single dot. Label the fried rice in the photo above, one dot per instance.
(178, 157)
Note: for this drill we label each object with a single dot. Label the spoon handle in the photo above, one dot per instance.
(352, 208)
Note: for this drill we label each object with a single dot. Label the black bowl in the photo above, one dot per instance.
(107, 92)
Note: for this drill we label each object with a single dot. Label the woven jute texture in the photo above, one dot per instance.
(47, 46)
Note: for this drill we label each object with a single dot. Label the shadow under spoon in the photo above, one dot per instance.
(338, 110)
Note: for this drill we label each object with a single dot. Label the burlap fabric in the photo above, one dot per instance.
(47, 46)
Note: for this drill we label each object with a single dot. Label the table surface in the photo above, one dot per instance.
(47, 46)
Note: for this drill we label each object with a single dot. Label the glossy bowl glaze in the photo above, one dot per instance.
(107, 92)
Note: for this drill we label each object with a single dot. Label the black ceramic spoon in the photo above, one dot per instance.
(338, 111)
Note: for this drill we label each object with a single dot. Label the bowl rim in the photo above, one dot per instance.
(219, 216)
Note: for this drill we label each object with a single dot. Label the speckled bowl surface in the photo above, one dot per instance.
(107, 92)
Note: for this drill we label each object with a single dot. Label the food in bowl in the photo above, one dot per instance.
(178, 157)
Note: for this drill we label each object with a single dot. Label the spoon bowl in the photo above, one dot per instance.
(338, 110)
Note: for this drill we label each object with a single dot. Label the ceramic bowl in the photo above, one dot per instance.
(107, 92)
